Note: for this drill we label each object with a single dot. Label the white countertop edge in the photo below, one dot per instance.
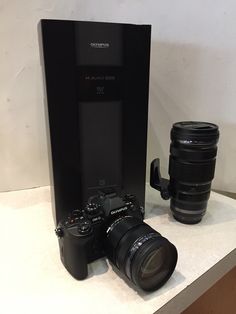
(174, 297)
(197, 288)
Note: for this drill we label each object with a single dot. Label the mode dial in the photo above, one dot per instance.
(92, 208)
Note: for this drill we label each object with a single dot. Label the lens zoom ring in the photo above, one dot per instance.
(192, 172)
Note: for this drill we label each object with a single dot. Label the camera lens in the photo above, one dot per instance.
(141, 253)
(191, 168)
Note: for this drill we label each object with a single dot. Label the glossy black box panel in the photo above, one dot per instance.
(96, 83)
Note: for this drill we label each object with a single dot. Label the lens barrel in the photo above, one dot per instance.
(192, 161)
(141, 253)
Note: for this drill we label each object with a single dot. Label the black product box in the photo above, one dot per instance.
(96, 84)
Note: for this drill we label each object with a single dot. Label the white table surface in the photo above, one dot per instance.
(33, 279)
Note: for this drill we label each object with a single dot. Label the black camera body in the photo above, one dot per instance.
(82, 236)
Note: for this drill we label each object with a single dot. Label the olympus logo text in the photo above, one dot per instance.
(99, 45)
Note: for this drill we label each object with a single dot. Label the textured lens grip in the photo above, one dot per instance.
(185, 171)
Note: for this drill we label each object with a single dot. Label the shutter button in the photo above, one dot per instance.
(92, 208)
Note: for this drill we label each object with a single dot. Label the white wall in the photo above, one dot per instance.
(193, 76)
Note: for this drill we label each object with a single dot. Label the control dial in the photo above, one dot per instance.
(84, 226)
(92, 208)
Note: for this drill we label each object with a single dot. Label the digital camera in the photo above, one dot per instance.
(112, 225)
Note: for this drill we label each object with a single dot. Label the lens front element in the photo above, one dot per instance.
(152, 264)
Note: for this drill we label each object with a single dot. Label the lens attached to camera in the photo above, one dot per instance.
(141, 253)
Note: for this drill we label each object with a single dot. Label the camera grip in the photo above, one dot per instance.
(75, 257)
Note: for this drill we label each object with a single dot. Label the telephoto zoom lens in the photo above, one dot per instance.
(140, 252)
(191, 168)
